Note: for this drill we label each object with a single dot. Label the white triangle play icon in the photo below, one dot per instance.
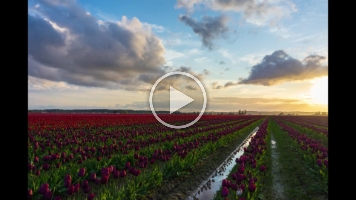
(177, 100)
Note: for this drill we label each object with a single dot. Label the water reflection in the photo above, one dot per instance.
(214, 182)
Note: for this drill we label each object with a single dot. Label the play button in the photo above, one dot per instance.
(177, 99)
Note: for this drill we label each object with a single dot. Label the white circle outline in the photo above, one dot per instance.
(170, 74)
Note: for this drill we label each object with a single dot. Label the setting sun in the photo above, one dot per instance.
(319, 91)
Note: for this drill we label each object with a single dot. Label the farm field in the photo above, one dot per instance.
(118, 156)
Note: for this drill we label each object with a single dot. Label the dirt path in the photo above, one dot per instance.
(278, 189)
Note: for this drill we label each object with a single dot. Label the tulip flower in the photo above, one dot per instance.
(92, 177)
(111, 168)
(76, 187)
(43, 188)
(97, 181)
(104, 179)
(137, 172)
(48, 195)
(105, 171)
(224, 192)
(36, 159)
(81, 172)
(38, 173)
(116, 174)
(54, 157)
(86, 190)
(67, 183)
(224, 183)
(241, 169)
(91, 196)
(68, 176)
(319, 163)
(122, 173)
(127, 166)
(254, 165)
(262, 168)
(29, 166)
(326, 163)
(29, 194)
(57, 198)
(70, 190)
(85, 184)
(45, 167)
(251, 187)
(233, 186)
(242, 186)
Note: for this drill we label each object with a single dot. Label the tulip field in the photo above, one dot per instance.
(303, 158)
(133, 156)
(98, 156)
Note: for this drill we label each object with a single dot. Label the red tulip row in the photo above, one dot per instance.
(41, 122)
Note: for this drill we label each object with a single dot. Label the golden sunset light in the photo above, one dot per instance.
(319, 91)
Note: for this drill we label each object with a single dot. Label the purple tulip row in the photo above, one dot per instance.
(307, 124)
(81, 154)
(142, 161)
(307, 143)
(247, 164)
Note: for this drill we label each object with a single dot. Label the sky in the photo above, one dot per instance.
(255, 55)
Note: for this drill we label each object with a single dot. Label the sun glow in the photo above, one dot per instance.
(319, 91)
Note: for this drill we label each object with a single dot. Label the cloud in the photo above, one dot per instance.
(221, 62)
(35, 84)
(279, 67)
(190, 87)
(228, 84)
(243, 100)
(206, 72)
(208, 29)
(267, 12)
(187, 4)
(67, 44)
(228, 104)
(227, 54)
(174, 80)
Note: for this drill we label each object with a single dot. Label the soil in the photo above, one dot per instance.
(277, 188)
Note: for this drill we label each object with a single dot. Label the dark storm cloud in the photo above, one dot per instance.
(279, 67)
(65, 43)
(208, 29)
